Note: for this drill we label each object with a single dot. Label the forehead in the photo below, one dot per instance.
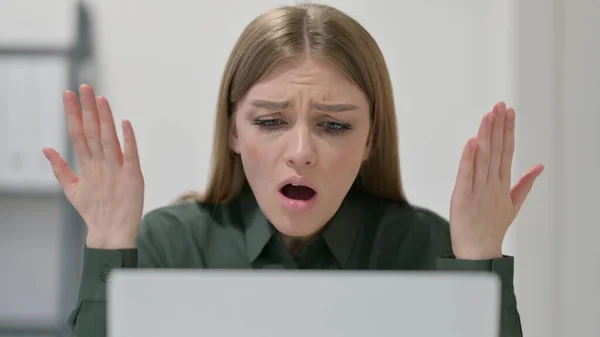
(306, 75)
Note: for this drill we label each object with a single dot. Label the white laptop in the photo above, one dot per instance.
(262, 303)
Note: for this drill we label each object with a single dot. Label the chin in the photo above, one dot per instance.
(295, 225)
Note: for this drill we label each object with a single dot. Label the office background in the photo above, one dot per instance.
(159, 63)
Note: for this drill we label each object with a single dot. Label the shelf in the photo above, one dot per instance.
(31, 118)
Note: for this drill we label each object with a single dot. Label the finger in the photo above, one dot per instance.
(75, 126)
(508, 150)
(63, 173)
(522, 188)
(497, 140)
(91, 124)
(108, 134)
(130, 155)
(482, 154)
(464, 179)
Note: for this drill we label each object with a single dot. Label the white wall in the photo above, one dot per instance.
(167, 66)
(28, 23)
(536, 89)
(160, 63)
(558, 275)
(579, 280)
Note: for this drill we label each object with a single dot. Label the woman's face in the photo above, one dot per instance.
(302, 133)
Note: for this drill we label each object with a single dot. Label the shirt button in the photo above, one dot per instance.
(104, 274)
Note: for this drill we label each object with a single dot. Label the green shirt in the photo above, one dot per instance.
(365, 233)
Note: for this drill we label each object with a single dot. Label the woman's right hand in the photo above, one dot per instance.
(109, 191)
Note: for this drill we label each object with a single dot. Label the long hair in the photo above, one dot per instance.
(322, 32)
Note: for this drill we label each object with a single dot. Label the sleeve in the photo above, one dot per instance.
(88, 319)
(510, 321)
(440, 252)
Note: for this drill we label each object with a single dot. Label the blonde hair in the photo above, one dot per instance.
(326, 33)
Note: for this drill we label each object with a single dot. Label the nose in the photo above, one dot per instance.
(301, 150)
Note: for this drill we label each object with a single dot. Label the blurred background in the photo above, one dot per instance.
(159, 63)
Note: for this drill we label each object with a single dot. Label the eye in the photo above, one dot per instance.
(270, 124)
(335, 127)
(275, 124)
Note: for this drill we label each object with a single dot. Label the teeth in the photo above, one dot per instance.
(294, 184)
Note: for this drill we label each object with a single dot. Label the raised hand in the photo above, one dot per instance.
(109, 192)
(483, 204)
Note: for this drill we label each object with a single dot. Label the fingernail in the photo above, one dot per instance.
(510, 114)
(67, 97)
(501, 109)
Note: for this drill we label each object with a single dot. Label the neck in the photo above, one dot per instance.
(295, 244)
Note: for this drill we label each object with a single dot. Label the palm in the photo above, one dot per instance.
(483, 205)
(108, 193)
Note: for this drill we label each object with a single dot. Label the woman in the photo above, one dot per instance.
(305, 174)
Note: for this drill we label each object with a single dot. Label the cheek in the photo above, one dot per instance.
(257, 157)
(345, 163)
(254, 154)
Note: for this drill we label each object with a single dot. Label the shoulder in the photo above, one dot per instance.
(392, 212)
(410, 236)
(186, 217)
(412, 224)
(421, 217)
(431, 219)
(181, 235)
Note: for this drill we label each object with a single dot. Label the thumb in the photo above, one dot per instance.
(522, 188)
(64, 174)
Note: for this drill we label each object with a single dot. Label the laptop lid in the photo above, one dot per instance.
(168, 302)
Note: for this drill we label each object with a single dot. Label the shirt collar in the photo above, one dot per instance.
(342, 230)
(339, 234)
(258, 229)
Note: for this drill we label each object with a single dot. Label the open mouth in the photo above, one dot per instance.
(298, 192)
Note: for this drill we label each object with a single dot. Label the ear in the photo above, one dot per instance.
(233, 136)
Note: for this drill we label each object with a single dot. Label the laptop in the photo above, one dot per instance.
(236, 303)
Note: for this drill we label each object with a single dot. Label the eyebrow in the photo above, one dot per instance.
(335, 107)
(271, 105)
(280, 105)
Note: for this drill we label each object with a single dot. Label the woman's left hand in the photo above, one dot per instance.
(483, 203)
